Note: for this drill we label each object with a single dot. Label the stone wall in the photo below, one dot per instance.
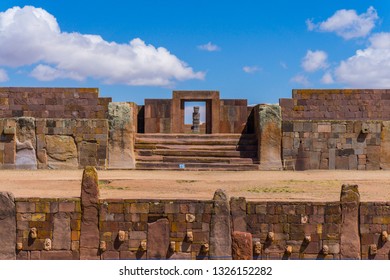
(219, 228)
(337, 104)
(29, 143)
(73, 103)
(334, 145)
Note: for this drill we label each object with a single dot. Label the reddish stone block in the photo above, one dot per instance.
(242, 246)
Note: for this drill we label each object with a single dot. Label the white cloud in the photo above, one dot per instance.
(347, 23)
(209, 47)
(327, 78)
(31, 35)
(368, 68)
(3, 76)
(300, 79)
(314, 60)
(250, 69)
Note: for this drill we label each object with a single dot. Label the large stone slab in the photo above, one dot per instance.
(242, 246)
(385, 146)
(122, 121)
(89, 235)
(61, 151)
(268, 124)
(158, 239)
(349, 237)
(220, 228)
(25, 155)
(238, 211)
(7, 226)
(61, 232)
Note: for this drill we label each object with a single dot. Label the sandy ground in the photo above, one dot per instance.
(254, 185)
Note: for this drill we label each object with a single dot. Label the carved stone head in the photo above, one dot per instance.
(47, 244)
(172, 246)
(189, 236)
(33, 233)
(205, 248)
(103, 246)
(373, 249)
(142, 246)
(325, 250)
(384, 236)
(288, 250)
(121, 236)
(19, 246)
(307, 239)
(257, 248)
(270, 236)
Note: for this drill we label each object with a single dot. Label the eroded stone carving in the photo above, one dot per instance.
(373, 249)
(307, 239)
(270, 236)
(325, 250)
(142, 246)
(121, 236)
(19, 246)
(288, 250)
(257, 248)
(384, 236)
(172, 246)
(204, 249)
(102, 246)
(33, 233)
(189, 236)
(47, 244)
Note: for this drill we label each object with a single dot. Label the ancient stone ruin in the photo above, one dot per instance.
(60, 128)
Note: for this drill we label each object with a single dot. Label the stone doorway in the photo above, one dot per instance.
(189, 107)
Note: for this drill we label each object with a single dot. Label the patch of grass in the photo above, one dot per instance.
(185, 181)
(105, 184)
(284, 189)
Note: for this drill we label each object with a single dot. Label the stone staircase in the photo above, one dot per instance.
(233, 152)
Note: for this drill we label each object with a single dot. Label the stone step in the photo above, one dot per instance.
(153, 146)
(198, 153)
(196, 166)
(186, 160)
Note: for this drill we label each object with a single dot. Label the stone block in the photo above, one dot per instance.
(238, 211)
(89, 239)
(242, 246)
(7, 226)
(220, 228)
(158, 239)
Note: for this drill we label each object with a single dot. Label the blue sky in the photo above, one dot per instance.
(257, 50)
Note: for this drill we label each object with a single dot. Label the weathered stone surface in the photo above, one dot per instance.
(122, 124)
(7, 226)
(26, 130)
(242, 246)
(61, 232)
(61, 151)
(220, 228)
(385, 146)
(158, 239)
(25, 155)
(269, 130)
(89, 236)
(238, 211)
(349, 237)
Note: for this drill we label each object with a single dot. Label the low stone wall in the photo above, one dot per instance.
(220, 228)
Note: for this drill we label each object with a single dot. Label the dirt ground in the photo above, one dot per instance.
(254, 185)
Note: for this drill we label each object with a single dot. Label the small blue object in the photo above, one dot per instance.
(182, 166)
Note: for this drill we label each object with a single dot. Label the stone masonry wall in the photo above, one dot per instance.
(73, 103)
(333, 145)
(337, 104)
(192, 229)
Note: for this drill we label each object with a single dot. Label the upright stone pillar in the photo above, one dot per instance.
(122, 121)
(196, 120)
(268, 125)
(350, 238)
(7, 226)
(238, 211)
(220, 228)
(89, 232)
(158, 239)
